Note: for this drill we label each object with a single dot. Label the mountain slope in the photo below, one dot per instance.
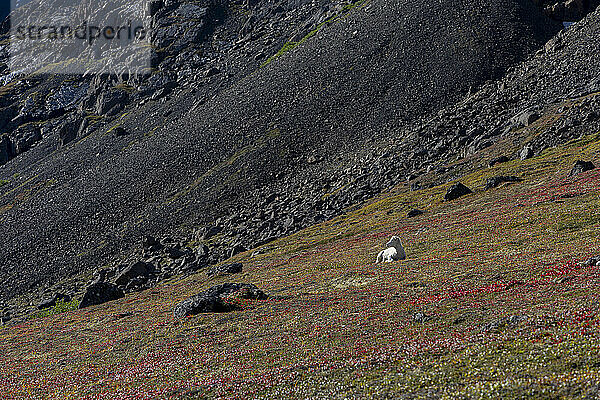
(361, 78)
(489, 303)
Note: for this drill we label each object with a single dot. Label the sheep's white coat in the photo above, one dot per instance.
(394, 252)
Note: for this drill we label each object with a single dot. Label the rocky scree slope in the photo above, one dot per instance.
(353, 83)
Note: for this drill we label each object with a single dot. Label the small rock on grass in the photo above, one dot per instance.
(457, 190)
(581, 166)
(421, 317)
(505, 322)
(499, 160)
(498, 180)
(413, 213)
(234, 268)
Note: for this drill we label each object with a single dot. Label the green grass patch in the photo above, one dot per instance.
(59, 308)
(291, 45)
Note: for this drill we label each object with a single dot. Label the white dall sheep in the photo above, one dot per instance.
(394, 252)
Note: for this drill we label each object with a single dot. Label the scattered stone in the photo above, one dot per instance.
(190, 267)
(526, 153)
(212, 72)
(211, 231)
(174, 253)
(421, 317)
(498, 160)
(202, 252)
(413, 213)
(234, 268)
(498, 180)
(457, 190)
(120, 131)
(592, 261)
(100, 293)
(214, 299)
(150, 243)
(505, 322)
(527, 118)
(581, 166)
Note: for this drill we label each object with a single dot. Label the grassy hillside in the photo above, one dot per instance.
(491, 303)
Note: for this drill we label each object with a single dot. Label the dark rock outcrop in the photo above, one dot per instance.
(100, 293)
(139, 270)
(214, 300)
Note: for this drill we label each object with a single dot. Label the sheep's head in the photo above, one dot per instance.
(395, 240)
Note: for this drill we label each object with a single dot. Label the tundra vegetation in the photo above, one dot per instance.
(491, 302)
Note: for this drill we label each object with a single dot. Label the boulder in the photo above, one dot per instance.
(506, 322)
(100, 293)
(234, 268)
(457, 190)
(581, 166)
(174, 253)
(151, 244)
(120, 131)
(137, 270)
(212, 72)
(498, 160)
(527, 118)
(235, 250)
(211, 231)
(214, 299)
(413, 213)
(526, 153)
(202, 252)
